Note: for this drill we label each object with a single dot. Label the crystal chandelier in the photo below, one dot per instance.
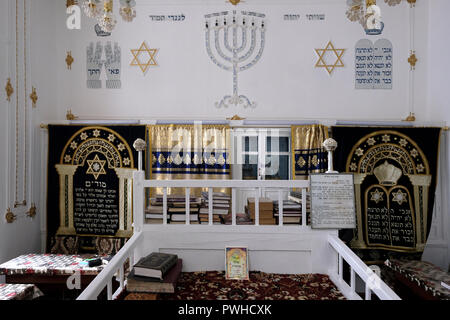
(92, 8)
(127, 11)
(107, 21)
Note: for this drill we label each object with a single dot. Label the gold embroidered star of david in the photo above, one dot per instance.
(376, 196)
(96, 167)
(150, 62)
(330, 67)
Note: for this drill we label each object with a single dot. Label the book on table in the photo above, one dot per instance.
(145, 284)
(155, 265)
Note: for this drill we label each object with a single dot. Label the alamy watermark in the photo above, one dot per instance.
(73, 21)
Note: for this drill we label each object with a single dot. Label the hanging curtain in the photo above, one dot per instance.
(395, 173)
(308, 155)
(188, 152)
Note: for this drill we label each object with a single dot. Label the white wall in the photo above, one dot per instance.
(23, 236)
(437, 107)
(284, 83)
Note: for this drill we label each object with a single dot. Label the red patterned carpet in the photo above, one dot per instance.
(212, 285)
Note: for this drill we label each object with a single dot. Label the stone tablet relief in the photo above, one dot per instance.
(373, 64)
(332, 201)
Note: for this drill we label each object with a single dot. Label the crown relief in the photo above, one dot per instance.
(387, 174)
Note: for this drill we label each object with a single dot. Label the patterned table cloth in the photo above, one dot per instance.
(48, 264)
(19, 292)
(424, 275)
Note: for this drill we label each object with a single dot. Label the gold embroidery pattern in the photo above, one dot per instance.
(387, 144)
(394, 160)
(101, 140)
(188, 152)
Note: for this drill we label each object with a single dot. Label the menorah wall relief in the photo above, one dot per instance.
(229, 33)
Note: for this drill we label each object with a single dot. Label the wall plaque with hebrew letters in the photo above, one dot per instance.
(332, 201)
(373, 64)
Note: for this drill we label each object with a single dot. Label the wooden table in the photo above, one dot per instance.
(50, 273)
(19, 291)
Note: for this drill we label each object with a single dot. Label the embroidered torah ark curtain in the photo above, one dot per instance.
(308, 154)
(90, 171)
(395, 177)
(188, 152)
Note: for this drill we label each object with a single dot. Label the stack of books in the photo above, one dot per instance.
(157, 273)
(221, 207)
(176, 209)
(292, 212)
(297, 197)
(241, 219)
(266, 216)
(154, 213)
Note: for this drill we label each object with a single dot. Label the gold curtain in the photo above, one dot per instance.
(188, 152)
(308, 155)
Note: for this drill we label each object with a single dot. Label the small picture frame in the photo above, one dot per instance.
(236, 263)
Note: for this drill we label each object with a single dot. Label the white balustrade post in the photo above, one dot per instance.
(304, 207)
(368, 294)
(352, 280)
(138, 200)
(210, 206)
(280, 207)
(233, 206)
(164, 205)
(188, 206)
(140, 146)
(257, 195)
(138, 189)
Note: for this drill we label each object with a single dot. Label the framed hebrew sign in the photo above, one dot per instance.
(90, 171)
(236, 263)
(332, 201)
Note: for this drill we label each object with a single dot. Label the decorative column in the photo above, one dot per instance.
(66, 173)
(412, 60)
(421, 184)
(358, 179)
(330, 145)
(125, 202)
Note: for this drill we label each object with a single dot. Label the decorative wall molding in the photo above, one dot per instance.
(20, 119)
(412, 60)
(69, 60)
(34, 97)
(10, 217)
(9, 90)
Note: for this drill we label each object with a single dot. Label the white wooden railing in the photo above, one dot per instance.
(371, 280)
(260, 187)
(131, 249)
(115, 268)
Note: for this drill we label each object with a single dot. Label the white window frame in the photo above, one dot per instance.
(237, 135)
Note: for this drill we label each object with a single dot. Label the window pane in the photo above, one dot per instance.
(250, 167)
(277, 144)
(277, 167)
(250, 144)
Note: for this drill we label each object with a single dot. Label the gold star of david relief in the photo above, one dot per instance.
(96, 167)
(330, 67)
(151, 60)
